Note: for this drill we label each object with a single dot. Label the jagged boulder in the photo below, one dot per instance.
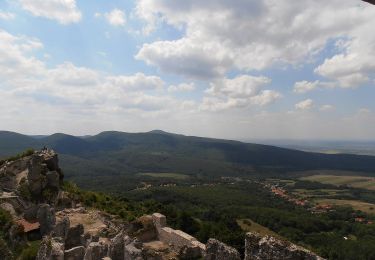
(46, 218)
(61, 228)
(116, 248)
(216, 250)
(96, 251)
(74, 237)
(53, 179)
(258, 247)
(75, 253)
(188, 252)
(132, 252)
(51, 249)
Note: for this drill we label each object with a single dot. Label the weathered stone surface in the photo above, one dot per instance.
(75, 236)
(46, 218)
(95, 251)
(53, 179)
(51, 249)
(116, 248)
(133, 253)
(187, 252)
(75, 253)
(61, 228)
(8, 207)
(216, 250)
(258, 247)
(31, 212)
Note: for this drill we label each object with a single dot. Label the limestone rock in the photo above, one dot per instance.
(258, 247)
(53, 179)
(116, 248)
(188, 252)
(61, 228)
(31, 212)
(75, 253)
(95, 251)
(46, 218)
(51, 249)
(75, 236)
(8, 207)
(133, 253)
(216, 250)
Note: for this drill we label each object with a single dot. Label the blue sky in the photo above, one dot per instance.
(254, 69)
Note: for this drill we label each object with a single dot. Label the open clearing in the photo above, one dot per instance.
(251, 226)
(177, 176)
(355, 204)
(353, 181)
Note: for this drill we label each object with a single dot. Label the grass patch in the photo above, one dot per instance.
(177, 176)
(355, 204)
(250, 226)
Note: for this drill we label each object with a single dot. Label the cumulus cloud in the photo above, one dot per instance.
(305, 104)
(183, 87)
(63, 11)
(250, 35)
(241, 91)
(305, 86)
(116, 17)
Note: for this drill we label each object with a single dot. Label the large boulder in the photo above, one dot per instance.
(96, 251)
(74, 237)
(61, 228)
(46, 218)
(258, 247)
(53, 179)
(51, 249)
(216, 250)
(132, 252)
(116, 248)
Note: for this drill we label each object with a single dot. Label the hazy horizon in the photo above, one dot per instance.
(258, 69)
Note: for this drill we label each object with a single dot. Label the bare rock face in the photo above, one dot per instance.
(116, 248)
(46, 218)
(75, 253)
(187, 252)
(96, 251)
(132, 252)
(75, 236)
(216, 250)
(258, 247)
(51, 249)
(61, 228)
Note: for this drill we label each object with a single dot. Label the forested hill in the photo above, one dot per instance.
(112, 152)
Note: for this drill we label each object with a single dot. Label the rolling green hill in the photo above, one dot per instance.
(124, 155)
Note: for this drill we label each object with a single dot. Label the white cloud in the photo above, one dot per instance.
(6, 15)
(305, 86)
(327, 108)
(63, 11)
(136, 82)
(251, 35)
(116, 17)
(15, 60)
(305, 104)
(183, 87)
(242, 91)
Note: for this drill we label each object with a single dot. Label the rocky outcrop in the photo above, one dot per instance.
(96, 251)
(46, 218)
(75, 236)
(51, 249)
(216, 250)
(258, 247)
(75, 253)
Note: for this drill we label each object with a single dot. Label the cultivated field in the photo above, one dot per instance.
(353, 181)
(355, 204)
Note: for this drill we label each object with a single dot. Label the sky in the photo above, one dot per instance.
(244, 69)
